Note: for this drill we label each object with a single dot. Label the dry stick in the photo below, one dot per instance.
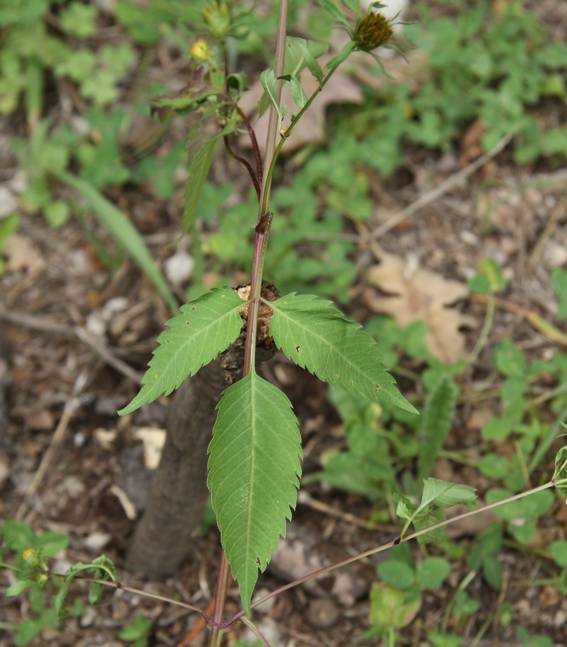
(321, 572)
(152, 596)
(262, 229)
(437, 192)
(55, 444)
(536, 320)
(46, 325)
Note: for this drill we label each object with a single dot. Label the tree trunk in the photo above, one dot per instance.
(178, 495)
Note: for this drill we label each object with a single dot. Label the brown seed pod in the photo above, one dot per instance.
(372, 31)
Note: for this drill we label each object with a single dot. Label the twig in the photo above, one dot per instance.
(56, 442)
(43, 324)
(306, 499)
(321, 572)
(436, 193)
(153, 596)
(536, 320)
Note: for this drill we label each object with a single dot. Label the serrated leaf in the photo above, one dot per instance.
(254, 471)
(203, 328)
(445, 494)
(199, 167)
(316, 335)
(436, 422)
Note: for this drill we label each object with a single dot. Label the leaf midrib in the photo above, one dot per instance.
(191, 340)
(356, 368)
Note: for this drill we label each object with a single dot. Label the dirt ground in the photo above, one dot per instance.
(75, 338)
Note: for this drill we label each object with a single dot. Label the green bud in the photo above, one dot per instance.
(217, 18)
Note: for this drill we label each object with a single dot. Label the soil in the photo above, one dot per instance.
(74, 337)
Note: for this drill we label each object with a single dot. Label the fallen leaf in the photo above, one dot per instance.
(415, 294)
(21, 254)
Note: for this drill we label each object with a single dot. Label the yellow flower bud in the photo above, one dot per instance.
(201, 50)
(27, 554)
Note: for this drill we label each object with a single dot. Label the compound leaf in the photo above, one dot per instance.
(202, 329)
(254, 471)
(436, 422)
(316, 335)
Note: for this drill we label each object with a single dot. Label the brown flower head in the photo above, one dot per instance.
(372, 31)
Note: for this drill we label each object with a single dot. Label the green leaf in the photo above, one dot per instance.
(560, 288)
(331, 8)
(558, 551)
(254, 471)
(268, 81)
(79, 20)
(436, 423)
(137, 629)
(445, 494)
(17, 534)
(431, 572)
(123, 232)
(51, 543)
(315, 335)
(203, 328)
(26, 632)
(297, 92)
(17, 588)
(199, 168)
(391, 607)
(396, 573)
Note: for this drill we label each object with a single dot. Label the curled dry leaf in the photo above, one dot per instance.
(414, 294)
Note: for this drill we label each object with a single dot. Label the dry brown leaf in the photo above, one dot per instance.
(419, 294)
(22, 254)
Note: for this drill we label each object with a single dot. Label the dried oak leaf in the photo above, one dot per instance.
(414, 294)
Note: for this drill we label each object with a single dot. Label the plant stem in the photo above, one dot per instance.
(321, 572)
(549, 439)
(262, 229)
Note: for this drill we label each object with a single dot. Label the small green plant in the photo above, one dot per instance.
(30, 556)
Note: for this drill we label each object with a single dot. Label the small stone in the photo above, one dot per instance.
(322, 613)
(73, 486)
(96, 541)
(179, 267)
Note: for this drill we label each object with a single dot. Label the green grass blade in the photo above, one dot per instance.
(123, 232)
